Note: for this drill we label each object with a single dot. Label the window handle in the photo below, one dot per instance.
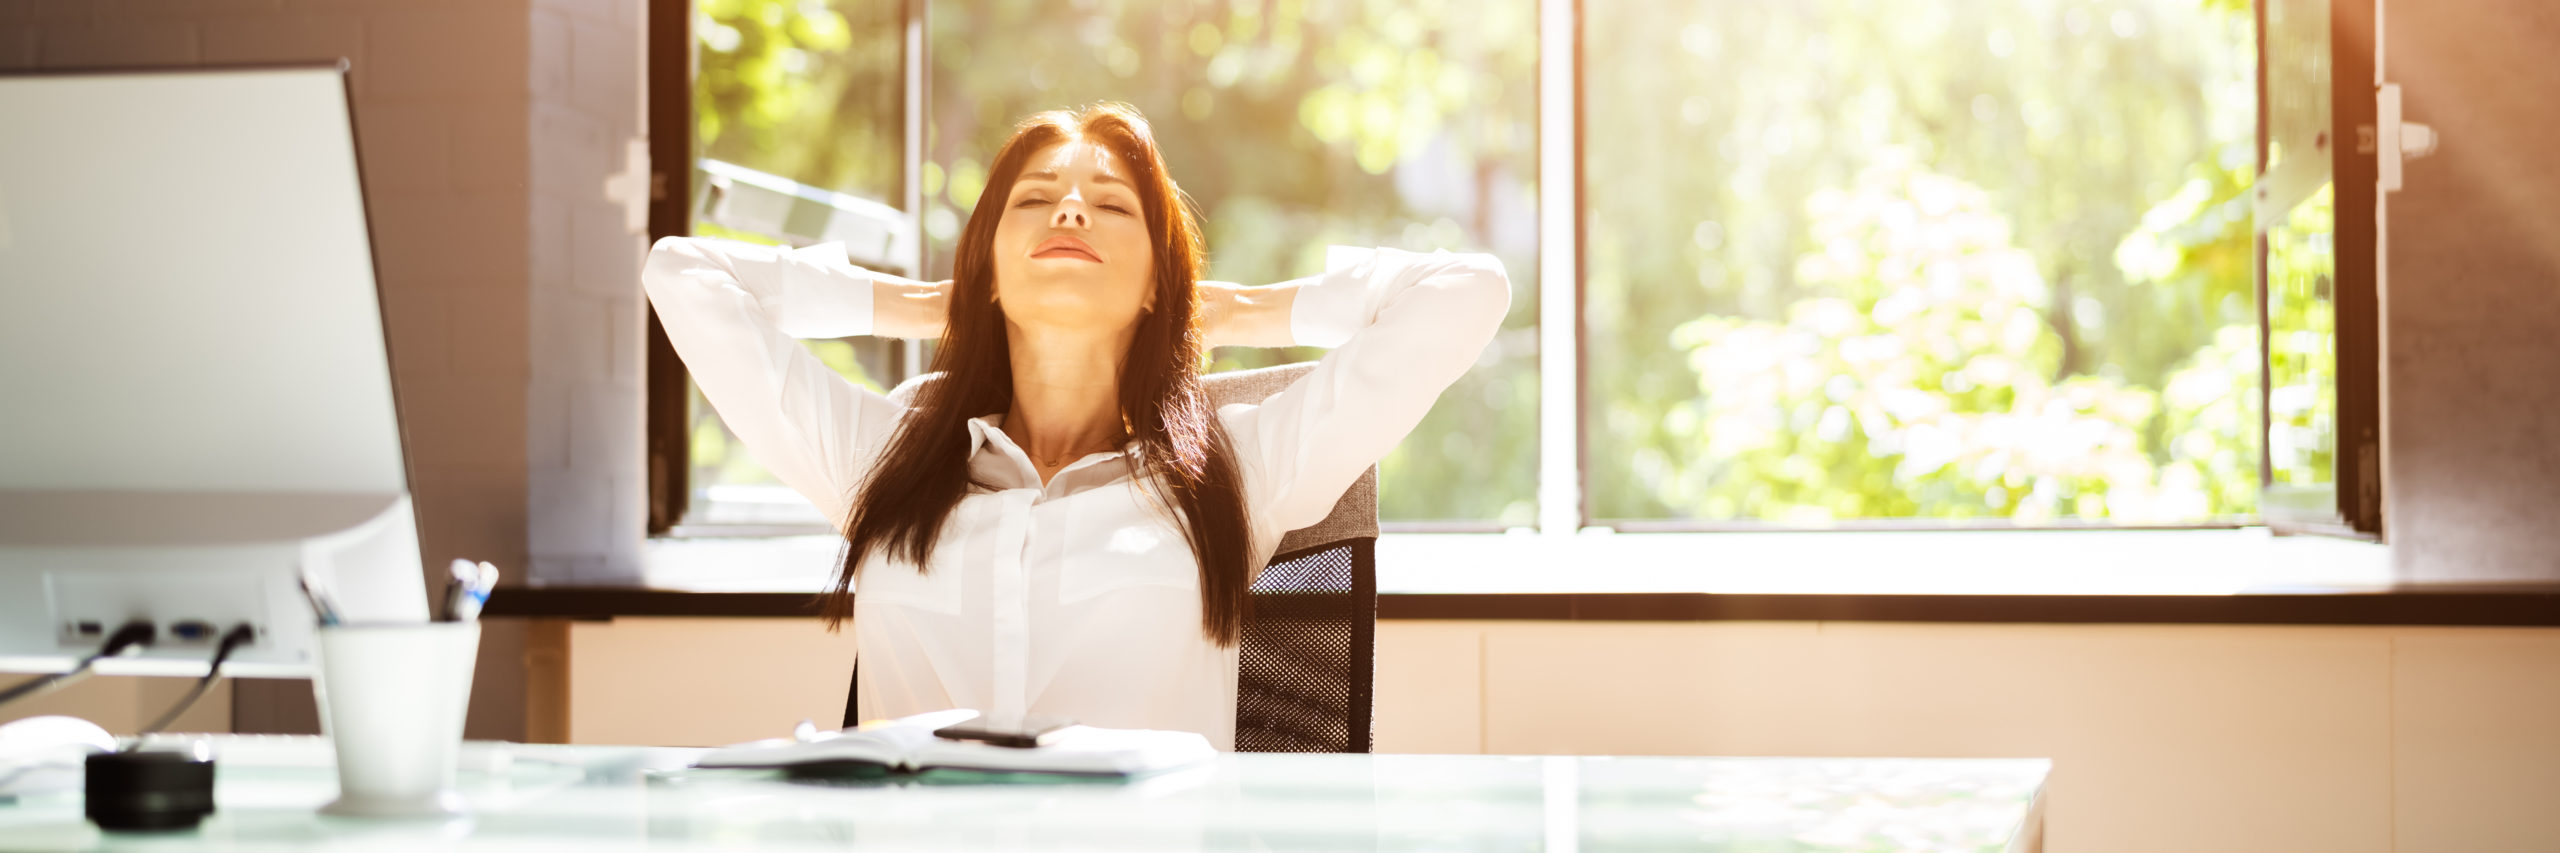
(2396, 141)
(634, 187)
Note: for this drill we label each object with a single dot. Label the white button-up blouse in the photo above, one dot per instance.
(1076, 598)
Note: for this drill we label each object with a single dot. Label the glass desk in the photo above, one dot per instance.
(564, 798)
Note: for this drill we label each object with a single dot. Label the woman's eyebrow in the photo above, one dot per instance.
(1099, 177)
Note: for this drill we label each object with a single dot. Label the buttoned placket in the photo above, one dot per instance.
(1010, 581)
(1011, 585)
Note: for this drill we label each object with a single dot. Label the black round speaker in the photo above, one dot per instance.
(145, 791)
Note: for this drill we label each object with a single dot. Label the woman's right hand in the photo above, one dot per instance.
(909, 309)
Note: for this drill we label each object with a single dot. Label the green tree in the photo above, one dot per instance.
(808, 90)
(2108, 147)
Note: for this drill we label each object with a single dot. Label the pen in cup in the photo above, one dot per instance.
(461, 575)
(468, 590)
(321, 607)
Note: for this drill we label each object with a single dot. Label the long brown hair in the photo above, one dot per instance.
(1182, 452)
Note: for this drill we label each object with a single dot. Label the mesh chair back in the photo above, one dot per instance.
(1307, 661)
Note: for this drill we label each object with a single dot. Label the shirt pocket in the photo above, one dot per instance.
(1116, 540)
(937, 590)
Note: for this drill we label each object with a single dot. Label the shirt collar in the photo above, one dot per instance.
(986, 433)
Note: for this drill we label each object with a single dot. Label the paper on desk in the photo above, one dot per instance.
(908, 743)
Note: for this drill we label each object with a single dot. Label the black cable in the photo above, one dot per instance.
(136, 633)
(238, 635)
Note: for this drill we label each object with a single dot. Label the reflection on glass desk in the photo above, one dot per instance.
(595, 797)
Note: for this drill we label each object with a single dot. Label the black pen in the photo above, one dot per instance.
(320, 604)
(457, 584)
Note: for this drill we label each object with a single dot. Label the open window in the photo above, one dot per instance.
(1927, 265)
(775, 123)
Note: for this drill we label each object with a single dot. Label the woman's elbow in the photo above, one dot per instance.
(668, 261)
(674, 247)
(676, 250)
(1479, 280)
(1489, 274)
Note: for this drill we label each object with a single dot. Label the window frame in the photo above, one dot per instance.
(669, 61)
(1563, 483)
(672, 67)
(2351, 506)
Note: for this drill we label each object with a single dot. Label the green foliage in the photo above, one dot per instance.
(1924, 381)
(2302, 347)
(808, 90)
(2301, 260)
(1910, 258)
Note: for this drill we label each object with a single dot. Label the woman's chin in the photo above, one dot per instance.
(1069, 313)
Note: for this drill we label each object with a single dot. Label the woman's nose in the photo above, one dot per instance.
(1070, 214)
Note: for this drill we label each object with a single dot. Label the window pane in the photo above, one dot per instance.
(1933, 259)
(2301, 223)
(804, 89)
(1294, 126)
(811, 92)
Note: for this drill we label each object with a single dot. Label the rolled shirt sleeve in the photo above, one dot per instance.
(734, 312)
(1404, 326)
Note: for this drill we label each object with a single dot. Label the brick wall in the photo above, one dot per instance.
(583, 458)
(486, 130)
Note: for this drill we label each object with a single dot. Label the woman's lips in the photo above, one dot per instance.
(1065, 247)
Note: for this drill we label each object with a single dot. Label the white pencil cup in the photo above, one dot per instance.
(392, 697)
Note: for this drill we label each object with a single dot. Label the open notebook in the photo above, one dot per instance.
(907, 744)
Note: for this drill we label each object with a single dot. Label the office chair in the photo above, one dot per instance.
(1306, 664)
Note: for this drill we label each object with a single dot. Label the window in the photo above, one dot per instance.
(1905, 263)
(2322, 458)
(799, 138)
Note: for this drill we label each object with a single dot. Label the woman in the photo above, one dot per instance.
(1059, 524)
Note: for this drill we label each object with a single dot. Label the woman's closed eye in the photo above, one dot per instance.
(1114, 207)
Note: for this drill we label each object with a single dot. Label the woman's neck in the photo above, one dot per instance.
(1066, 394)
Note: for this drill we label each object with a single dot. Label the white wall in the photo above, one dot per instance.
(584, 467)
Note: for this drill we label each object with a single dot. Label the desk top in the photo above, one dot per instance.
(563, 798)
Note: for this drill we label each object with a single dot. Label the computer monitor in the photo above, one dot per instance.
(195, 395)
